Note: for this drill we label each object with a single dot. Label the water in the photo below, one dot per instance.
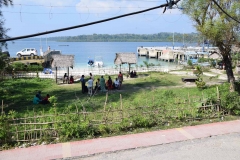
(84, 51)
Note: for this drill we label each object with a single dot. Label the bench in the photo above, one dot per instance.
(189, 79)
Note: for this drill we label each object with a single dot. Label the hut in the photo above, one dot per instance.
(142, 51)
(215, 55)
(48, 57)
(154, 52)
(125, 58)
(62, 61)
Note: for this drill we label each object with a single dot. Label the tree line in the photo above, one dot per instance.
(158, 37)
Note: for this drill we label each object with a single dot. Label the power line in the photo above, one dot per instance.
(87, 24)
(224, 11)
(33, 5)
(17, 12)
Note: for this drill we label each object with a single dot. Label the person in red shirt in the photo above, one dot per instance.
(120, 78)
(71, 80)
(45, 100)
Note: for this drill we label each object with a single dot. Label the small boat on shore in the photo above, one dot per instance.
(90, 62)
(97, 62)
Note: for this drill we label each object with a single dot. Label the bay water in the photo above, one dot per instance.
(84, 51)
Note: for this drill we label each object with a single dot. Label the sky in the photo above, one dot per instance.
(33, 16)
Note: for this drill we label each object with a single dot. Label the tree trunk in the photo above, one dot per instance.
(228, 67)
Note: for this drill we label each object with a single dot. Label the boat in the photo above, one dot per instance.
(98, 62)
(90, 62)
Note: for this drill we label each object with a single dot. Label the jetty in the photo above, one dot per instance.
(179, 54)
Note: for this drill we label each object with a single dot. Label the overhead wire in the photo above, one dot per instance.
(76, 13)
(87, 24)
(225, 11)
(68, 6)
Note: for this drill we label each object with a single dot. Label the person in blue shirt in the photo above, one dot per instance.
(36, 100)
(82, 80)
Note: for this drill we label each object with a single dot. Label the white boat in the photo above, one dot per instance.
(98, 62)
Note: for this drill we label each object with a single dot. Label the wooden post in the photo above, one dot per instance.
(121, 105)
(2, 106)
(68, 74)
(120, 67)
(188, 98)
(218, 100)
(129, 66)
(17, 132)
(25, 127)
(105, 102)
(56, 74)
(35, 125)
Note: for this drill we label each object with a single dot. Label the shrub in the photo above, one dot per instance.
(189, 62)
(231, 102)
(199, 82)
(4, 130)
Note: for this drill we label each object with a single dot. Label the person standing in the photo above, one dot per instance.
(91, 76)
(65, 78)
(120, 78)
(102, 84)
(82, 80)
(116, 83)
(90, 86)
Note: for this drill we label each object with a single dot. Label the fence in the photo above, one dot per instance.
(77, 72)
(39, 125)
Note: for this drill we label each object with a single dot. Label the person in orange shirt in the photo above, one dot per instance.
(120, 78)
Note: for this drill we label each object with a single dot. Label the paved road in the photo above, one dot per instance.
(221, 147)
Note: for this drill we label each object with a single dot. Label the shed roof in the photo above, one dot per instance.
(62, 61)
(235, 49)
(125, 58)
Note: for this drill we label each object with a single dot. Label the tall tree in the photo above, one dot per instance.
(3, 59)
(3, 30)
(215, 25)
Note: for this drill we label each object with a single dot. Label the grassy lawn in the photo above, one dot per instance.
(152, 101)
(18, 93)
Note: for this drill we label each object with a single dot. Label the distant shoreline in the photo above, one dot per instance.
(158, 37)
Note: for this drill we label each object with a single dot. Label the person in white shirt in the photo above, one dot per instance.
(116, 83)
(92, 76)
(90, 86)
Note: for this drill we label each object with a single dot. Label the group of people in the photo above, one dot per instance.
(133, 74)
(38, 99)
(100, 84)
(67, 79)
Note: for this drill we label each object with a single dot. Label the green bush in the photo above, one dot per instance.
(199, 82)
(189, 62)
(5, 136)
(231, 102)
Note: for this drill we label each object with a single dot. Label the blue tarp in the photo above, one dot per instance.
(90, 62)
(47, 71)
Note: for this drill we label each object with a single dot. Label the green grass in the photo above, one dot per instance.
(148, 88)
(160, 93)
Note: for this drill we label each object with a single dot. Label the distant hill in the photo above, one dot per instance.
(159, 37)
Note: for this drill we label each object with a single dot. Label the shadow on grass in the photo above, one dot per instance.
(19, 97)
